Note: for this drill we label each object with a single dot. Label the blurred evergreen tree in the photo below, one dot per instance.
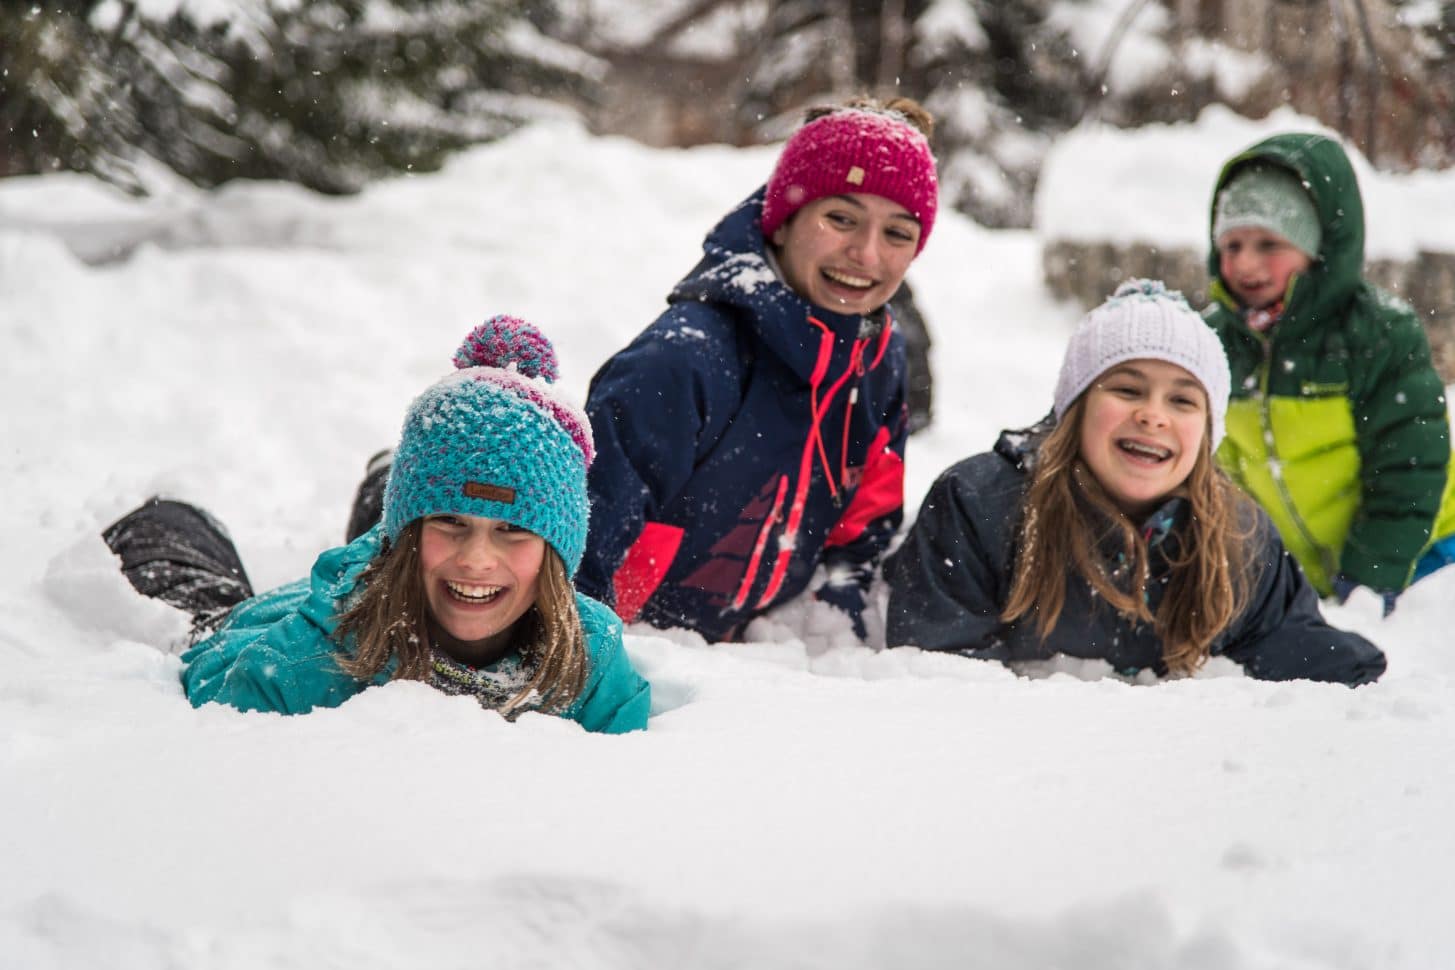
(1004, 79)
(1003, 82)
(1433, 22)
(1000, 80)
(326, 93)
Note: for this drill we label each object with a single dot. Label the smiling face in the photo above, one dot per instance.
(1256, 265)
(480, 576)
(1141, 432)
(847, 253)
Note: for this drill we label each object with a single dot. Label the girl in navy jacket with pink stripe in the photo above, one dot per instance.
(756, 429)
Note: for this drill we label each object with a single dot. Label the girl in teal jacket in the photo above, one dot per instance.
(465, 584)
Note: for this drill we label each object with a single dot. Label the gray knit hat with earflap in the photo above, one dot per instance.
(1144, 320)
(1272, 198)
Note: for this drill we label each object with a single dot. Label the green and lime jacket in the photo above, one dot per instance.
(1337, 424)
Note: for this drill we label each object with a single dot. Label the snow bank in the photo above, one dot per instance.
(1154, 185)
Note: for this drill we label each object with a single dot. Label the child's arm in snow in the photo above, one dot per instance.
(945, 587)
(1281, 635)
(650, 407)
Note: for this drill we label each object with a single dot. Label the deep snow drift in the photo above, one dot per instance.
(799, 801)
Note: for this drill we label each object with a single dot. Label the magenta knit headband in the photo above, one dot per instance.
(854, 150)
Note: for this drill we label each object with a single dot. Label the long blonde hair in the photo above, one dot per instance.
(390, 619)
(1067, 517)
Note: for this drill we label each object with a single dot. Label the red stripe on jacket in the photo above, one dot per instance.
(644, 567)
(881, 491)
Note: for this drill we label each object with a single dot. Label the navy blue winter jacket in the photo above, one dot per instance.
(951, 578)
(741, 439)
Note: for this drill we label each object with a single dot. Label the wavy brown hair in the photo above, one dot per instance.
(390, 619)
(1067, 517)
(910, 109)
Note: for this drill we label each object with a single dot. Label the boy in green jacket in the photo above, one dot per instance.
(1337, 425)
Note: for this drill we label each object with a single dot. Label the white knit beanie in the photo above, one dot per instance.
(1144, 320)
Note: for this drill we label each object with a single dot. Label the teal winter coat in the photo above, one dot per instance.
(276, 652)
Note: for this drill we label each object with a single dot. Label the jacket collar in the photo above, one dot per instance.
(736, 272)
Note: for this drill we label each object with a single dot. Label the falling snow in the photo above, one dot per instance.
(798, 798)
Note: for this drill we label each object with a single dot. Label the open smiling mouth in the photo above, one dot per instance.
(466, 593)
(1143, 451)
(844, 279)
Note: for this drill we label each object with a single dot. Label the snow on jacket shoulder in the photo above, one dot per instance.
(744, 437)
(951, 578)
(276, 652)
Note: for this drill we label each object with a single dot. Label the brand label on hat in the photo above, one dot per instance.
(855, 176)
(490, 493)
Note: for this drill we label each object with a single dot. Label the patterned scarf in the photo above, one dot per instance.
(492, 686)
(1262, 321)
(1160, 523)
(1156, 529)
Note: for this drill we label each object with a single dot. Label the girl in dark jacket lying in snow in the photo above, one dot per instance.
(1108, 532)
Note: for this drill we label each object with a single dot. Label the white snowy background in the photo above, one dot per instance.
(799, 801)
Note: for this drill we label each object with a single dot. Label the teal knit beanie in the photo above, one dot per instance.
(494, 440)
(1272, 198)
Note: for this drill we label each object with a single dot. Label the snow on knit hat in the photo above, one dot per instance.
(1144, 320)
(1273, 198)
(854, 150)
(494, 440)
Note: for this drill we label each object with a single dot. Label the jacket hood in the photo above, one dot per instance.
(1326, 172)
(1020, 445)
(735, 273)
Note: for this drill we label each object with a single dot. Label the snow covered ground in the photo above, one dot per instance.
(799, 801)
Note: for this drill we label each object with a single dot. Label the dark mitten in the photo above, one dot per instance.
(848, 597)
(1344, 587)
